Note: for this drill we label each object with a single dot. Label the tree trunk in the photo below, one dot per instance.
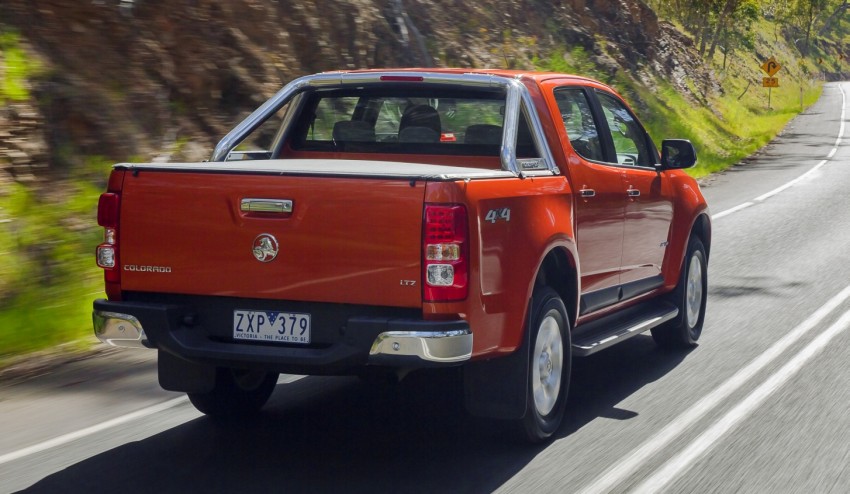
(731, 6)
(836, 15)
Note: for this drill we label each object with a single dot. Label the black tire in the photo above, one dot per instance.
(550, 361)
(690, 298)
(237, 393)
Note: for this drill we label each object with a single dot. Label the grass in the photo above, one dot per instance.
(48, 277)
(725, 127)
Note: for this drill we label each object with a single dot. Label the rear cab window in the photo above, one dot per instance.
(384, 122)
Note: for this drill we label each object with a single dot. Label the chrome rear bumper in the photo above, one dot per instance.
(122, 330)
(430, 346)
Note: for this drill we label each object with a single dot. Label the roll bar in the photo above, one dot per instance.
(518, 99)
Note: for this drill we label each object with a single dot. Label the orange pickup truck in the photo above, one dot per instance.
(497, 221)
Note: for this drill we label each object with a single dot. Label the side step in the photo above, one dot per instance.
(608, 331)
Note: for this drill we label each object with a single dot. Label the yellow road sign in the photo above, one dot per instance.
(770, 81)
(771, 66)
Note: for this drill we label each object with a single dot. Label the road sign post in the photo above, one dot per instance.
(770, 67)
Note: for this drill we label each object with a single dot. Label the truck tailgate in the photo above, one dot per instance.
(351, 240)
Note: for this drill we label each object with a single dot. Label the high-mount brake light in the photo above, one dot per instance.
(445, 252)
(402, 78)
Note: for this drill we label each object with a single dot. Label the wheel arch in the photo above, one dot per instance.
(559, 270)
(702, 229)
(689, 223)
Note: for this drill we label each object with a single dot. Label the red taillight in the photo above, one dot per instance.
(107, 252)
(107, 210)
(445, 253)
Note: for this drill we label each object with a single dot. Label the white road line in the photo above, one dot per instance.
(58, 441)
(709, 439)
(790, 184)
(638, 457)
(843, 110)
(732, 210)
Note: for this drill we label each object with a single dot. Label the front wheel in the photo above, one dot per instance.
(690, 298)
(549, 366)
(236, 393)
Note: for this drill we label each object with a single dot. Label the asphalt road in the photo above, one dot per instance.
(761, 405)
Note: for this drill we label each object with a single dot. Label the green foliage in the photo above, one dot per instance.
(576, 61)
(16, 68)
(725, 131)
(724, 126)
(48, 277)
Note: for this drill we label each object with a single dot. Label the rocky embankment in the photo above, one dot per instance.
(165, 79)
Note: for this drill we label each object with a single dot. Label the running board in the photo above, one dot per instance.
(608, 331)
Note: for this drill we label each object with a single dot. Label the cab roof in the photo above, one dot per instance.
(536, 76)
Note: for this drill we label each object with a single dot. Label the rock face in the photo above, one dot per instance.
(148, 78)
(22, 144)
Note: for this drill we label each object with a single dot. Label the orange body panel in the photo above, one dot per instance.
(655, 226)
(347, 240)
(506, 254)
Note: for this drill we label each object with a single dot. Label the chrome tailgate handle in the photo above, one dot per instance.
(266, 206)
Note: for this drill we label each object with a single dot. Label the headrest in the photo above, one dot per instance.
(353, 131)
(483, 134)
(421, 116)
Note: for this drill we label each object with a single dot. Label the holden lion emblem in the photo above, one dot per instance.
(265, 247)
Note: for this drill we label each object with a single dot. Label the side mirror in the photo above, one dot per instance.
(677, 154)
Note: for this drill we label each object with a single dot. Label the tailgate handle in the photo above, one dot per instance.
(283, 206)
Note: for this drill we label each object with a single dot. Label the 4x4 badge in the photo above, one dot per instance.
(265, 247)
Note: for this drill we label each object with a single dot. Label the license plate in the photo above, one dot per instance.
(269, 326)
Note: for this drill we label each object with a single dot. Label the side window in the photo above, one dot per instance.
(578, 120)
(258, 144)
(630, 140)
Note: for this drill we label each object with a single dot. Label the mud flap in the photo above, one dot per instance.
(498, 388)
(176, 374)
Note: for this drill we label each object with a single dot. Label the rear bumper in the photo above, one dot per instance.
(122, 330)
(357, 341)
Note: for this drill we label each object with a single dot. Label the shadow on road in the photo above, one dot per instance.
(322, 434)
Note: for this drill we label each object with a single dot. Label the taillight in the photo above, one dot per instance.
(107, 252)
(445, 252)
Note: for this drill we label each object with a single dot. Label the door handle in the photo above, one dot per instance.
(634, 192)
(587, 192)
(276, 206)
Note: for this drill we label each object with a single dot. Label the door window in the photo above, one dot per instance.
(630, 140)
(578, 121)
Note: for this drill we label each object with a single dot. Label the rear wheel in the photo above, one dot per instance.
(549, 366)
(237, 392)
(690, 298)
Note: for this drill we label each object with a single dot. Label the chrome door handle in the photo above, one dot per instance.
(587, 193)
(634, 192)
(280, 206)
